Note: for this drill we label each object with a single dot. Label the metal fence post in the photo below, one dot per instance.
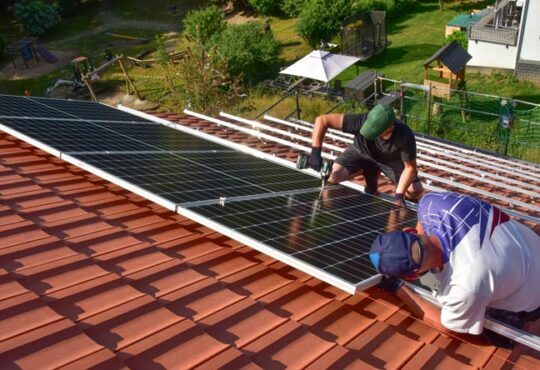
(401, 101)
(429, 111)
(297, 104)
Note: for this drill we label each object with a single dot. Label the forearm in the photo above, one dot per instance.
(405, 180)
(421, 308)
(319, 131)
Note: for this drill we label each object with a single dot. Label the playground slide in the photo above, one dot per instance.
(46, 54)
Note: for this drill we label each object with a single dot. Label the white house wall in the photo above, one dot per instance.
(486, 54)
(530, 48)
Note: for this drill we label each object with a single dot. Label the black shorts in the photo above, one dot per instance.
(353, 160)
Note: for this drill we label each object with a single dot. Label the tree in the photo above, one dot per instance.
(250, 51)
(320, 20)
(292, 8)
(459, 36)
(162, 57)
(265, 7)
(441, 5)
(201, 25)
(204, 82)
(35, 16)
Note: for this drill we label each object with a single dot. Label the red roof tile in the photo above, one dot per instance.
(92, 275)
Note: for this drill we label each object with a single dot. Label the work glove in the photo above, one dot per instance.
(390, 283)
(399, 201)
(315, 159)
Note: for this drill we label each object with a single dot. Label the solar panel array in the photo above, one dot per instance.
(273, 208)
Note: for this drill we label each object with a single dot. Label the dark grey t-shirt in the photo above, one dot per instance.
(400, 147)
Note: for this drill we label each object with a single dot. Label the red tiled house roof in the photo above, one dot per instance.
(92, 275)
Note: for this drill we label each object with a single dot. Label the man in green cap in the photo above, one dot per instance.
(381, 143)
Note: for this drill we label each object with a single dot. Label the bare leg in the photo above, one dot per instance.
(339, 174)
(414, 191)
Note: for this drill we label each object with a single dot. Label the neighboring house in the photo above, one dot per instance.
(507, 38)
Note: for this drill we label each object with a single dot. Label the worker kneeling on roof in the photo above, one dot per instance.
(381, 143)
(480, 258)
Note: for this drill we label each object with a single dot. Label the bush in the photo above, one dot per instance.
(250, 52)
(35, 16)
(320, 20)
(292, 8)
(201, 25)
(459, 36)
(204, 83)
(265, 7)
(366, 5)
(391, 7)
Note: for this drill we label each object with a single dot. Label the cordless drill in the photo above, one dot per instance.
(302, 162)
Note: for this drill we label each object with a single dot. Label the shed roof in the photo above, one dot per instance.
(452, 56)
(463, 20)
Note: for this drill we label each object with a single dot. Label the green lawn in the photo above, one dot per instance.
(155, 10)
(415, 34)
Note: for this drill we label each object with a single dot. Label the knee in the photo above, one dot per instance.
(321, 119)
(339, 174)
(415, 191)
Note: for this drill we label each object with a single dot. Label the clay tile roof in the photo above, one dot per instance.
(93, 276)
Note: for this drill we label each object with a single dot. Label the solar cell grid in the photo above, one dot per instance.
(86, 136)
(197, 176)
(85, 110)
(243, 196)
(20, 106)
(74, 136)
(333, 233)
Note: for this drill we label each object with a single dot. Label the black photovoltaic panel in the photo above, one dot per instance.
(81, 136)
(333, 233)
(201, 176)
(21, 106)
(87, 110)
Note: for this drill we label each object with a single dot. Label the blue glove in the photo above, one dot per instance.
(399, 201)
(390, 283)
(315, 159)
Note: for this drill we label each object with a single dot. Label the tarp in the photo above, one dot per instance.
(320, 65)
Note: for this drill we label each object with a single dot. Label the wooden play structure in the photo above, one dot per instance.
(127, 37)
(449, 68)
(85, 74)
(140, 60)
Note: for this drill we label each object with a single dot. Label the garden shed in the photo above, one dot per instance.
(448, 63)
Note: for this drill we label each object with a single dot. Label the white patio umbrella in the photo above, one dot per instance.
(320, 65)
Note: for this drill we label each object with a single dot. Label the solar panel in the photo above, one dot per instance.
(86, 110)
(193, 176)
(19, 106)
(273, 208)
(69, 135)
(333, 233)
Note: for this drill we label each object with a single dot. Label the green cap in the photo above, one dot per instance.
(377, 121)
